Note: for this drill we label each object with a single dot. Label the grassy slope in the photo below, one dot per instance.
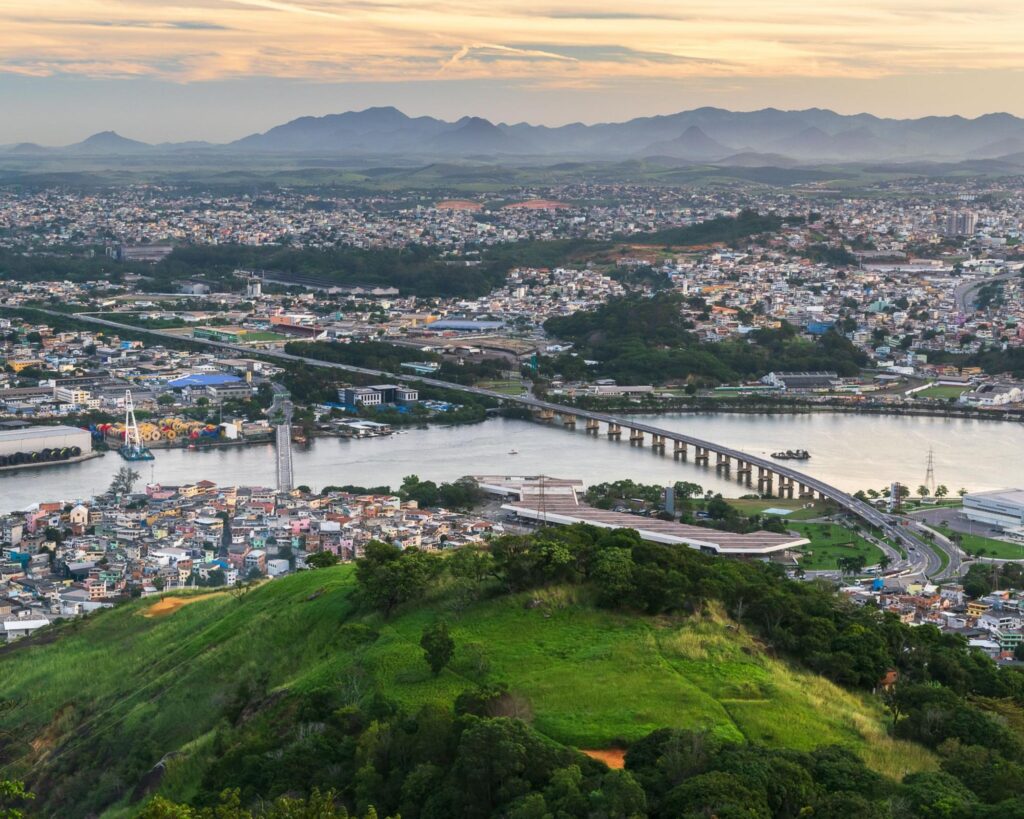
(593, 678)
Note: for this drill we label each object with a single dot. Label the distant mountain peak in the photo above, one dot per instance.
(108, 142)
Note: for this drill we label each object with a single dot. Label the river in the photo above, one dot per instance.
(850, 451)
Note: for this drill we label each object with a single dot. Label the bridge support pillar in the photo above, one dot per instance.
(764, 480)
(700, 456)
(636, 437)
(568, 420)
(679, 450)
(593, 426)
(722, 461)
(614, 431)
(658, 442)
(805, 491)
(546, 416)
(785, 487)
(743, 472)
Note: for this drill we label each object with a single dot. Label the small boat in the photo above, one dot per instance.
(513, 452)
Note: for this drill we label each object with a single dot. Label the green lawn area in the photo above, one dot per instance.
(511, 387)
(829, 542)
(589, 677)
(940, 392)
(261, 335)
(752, 506)
(1000, 549)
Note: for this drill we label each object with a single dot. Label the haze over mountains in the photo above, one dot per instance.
(703, 135)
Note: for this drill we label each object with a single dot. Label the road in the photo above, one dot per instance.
(921, 559)
(963, 297)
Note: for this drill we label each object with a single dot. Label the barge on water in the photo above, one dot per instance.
(792, 455)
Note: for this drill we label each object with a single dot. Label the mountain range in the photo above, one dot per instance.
(703, 135)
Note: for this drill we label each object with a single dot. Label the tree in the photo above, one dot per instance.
(716, 793)
(851, 564)
(941, 490)
(388, 576)
(884, 562)
(124, 479)
(12, 797)
(922, 490)
(961, 492)
(438, 646)
(321, 560)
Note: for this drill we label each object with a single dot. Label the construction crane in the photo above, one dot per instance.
(132, 448)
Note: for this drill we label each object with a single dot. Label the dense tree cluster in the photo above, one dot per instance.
(640, 339)
(727, 229)
(463, 493)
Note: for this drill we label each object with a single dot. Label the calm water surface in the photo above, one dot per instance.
(850, 451)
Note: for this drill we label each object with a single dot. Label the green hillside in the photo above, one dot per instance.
(94, 704)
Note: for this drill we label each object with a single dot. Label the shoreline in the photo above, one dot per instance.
(88, 456)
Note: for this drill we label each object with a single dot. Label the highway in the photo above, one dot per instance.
(920, 558)
(963, 294)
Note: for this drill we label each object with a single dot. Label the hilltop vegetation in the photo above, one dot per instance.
(725, 229)
(566, 639)
(639, 340)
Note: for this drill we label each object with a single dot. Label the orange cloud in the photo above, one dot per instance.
(588, 40)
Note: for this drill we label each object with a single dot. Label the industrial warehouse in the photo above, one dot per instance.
(1002, 508)
(38, 445)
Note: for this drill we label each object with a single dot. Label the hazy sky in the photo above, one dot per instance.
(219, 69)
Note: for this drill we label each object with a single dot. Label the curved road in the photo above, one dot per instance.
(962, 295)
(921, 558)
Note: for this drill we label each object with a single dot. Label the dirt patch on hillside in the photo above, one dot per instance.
(614, 758)
(169, 605)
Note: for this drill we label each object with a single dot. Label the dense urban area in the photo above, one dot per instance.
(418, 649)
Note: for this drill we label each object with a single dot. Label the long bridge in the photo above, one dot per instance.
(771, 477)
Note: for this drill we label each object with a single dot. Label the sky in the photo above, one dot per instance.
(172, 70)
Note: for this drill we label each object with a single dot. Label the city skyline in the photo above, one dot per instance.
(228, 68)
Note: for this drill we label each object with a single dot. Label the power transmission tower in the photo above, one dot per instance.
(929, 475)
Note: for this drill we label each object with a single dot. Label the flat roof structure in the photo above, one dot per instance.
(26, 434)
(1003, 508)
(559, 510)
(556, 501)
(203, 380)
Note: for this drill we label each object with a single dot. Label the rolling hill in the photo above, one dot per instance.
(98, 713)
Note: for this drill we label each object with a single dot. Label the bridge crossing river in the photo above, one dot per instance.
(770, 474)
